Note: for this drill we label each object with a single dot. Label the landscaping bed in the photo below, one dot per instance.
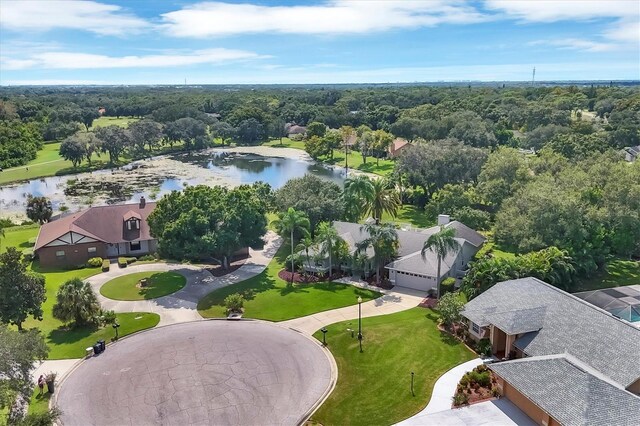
(475, 386)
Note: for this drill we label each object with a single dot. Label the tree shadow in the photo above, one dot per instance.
(67, 334)
(161, 284)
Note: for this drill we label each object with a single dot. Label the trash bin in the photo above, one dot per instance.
(97, 348)
(102, 345)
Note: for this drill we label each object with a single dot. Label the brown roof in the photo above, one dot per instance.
(104, 223)
(397, 144)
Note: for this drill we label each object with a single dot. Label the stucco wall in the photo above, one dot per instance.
(523, 403)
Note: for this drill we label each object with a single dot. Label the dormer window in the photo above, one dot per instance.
(133, 224)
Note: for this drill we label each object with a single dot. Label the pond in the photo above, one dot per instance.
(157, 176)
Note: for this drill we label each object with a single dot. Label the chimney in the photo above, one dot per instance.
(443, 219)
(143, 202)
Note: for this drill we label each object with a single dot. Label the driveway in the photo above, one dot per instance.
(500, 412)
(205, 372)
(181, 306)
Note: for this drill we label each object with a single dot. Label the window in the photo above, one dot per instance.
(60, 253)
(134, 245)
(129, 225)
(137, 224)
(475, 327)
(91, 250)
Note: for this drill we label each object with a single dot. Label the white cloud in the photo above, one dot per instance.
(54, 82)
(625, 31)
(575, 44)
(334, 17)
(71, 60)
(565, 10)
(40, 15)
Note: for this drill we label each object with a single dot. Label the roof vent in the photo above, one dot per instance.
(143, 202)
(443, 219)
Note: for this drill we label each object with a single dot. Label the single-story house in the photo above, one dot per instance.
(293, 129)
(410, 269)
(631, 153)
(569, 362)
(104, 231)
(397, 146)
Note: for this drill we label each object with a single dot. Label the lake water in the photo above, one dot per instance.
(155, 177)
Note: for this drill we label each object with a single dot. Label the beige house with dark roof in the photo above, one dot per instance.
(104, 231)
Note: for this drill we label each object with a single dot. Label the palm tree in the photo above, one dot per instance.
(358, 195)
(2, 234)
(441, 243)
(384, 241)
(385, 199)
(290, 222)
(327, 237)
(305, 244)
(76, 302)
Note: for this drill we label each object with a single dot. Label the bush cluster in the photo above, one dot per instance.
(94, 262)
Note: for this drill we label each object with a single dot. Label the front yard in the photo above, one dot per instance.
(373, 387)
(158, 284)
(270, 298)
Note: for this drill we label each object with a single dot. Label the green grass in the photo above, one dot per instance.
(158, 284)
(373, 387)
(63, 342)
(39, 404)
(412, 215)
(112, 121)
(270, 298)
(384, 168)
(616, 273)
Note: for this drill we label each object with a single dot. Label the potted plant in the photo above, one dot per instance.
(51, 379)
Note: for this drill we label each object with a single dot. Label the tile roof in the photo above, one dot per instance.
(570, 391)
(569, 324)
(103, 223)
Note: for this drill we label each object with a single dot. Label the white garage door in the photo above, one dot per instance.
(414, 281)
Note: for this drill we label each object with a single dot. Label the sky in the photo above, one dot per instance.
(333, 41)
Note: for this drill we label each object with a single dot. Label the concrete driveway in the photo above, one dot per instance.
(205, 372)
(499, 412)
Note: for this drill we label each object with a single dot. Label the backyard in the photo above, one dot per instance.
(270, 298)
(62, 341)
(374, 387)
(617, 272)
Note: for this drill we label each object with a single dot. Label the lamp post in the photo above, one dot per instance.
(115, 326)
(360, 321)
(324, 336)
(412, 393)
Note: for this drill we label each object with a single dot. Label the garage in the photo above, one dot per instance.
(411, 280)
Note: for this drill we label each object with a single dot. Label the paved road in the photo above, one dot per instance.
(204, 372)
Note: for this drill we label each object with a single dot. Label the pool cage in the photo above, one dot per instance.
(622, 302)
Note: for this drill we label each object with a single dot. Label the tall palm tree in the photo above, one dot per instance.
(383, 239)
(385, 199)
(290, 222)
(327, 237)
(441, 243)
(358, 195)
(305, 244)
(76, 301)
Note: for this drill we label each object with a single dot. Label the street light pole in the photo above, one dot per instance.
(360, 321)
(324, 336)
(115, 325)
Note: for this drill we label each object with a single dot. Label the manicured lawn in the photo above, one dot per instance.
(373, 387)
(270, 298)
(158, 284)
(412, 215)
(62, 342)
(40, 403)
(112, 121)
(286, 143)
(616, 273)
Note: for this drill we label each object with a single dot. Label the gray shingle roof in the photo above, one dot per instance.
(466, 233)
(518, 322)
(427, 265)
(570, 391)
(607, 344)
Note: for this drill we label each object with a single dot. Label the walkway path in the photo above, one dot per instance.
(392, 301)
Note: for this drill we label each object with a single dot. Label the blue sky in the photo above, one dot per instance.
(336, 41)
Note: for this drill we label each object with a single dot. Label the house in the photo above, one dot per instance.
(397, 146)
(293, 130)
(104, 231)
(410, 269)
(631, 153)
(570, 362)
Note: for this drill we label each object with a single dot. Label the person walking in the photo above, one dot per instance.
(41, 382)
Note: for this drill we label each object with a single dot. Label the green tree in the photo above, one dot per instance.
(502, 175)
(442, 243)
(76, 301)
(306, 243)
(381, 140)
(87, 115)
(383, 239)
(316, 129)
(22, 292)
(346, 133)
(359, 193)
(327, 238)
(223, 130)
(385, 199)
(289, 223)
(316, 147)
(250, 132)
(20, 351)
(449, 307)
(39, 209)
(145, 132)
(73, 149)
(114, 140)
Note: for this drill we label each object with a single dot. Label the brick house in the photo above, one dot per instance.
(104, 231)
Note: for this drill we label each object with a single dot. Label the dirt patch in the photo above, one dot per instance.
(219, 271)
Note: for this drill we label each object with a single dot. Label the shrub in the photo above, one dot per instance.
(147, 257)
(481, 379)
(447, 286)
(27, 254)
(460, 399)
(94, 262)
(76, 301)
(107, 317)
(122, 262)
(483, 347)
(106, 265)
(234, 302)
(495, 392)
(130, 260)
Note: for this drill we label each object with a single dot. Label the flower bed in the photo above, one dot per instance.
(297, 277)
(475, 386)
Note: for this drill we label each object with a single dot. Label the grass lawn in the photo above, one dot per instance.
(40, 403)
(373, 387)
(64, 343)
(412, 215)
(270, 298)
(158, 284)
(112, 121)
(616, 273)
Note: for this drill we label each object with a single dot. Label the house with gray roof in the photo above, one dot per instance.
(410, 269)
(566, 361)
